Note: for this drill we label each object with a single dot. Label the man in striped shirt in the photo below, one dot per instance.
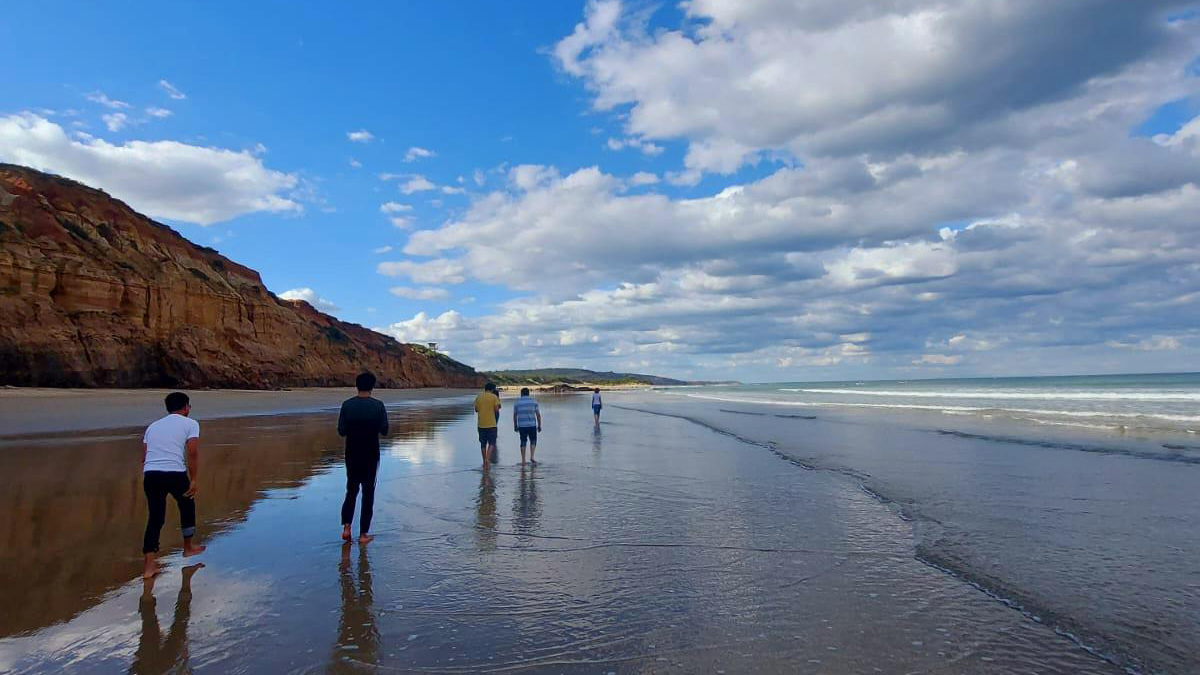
(527, 421)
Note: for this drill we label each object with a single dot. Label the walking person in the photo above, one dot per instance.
(596, 405)
(170, 464)
(487, 413)
(362, 421)
(527, 421)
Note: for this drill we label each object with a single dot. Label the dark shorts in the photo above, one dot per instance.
(528, 434)
(596, 409)
(487, 435)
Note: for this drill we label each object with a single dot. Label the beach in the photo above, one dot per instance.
(660, 543)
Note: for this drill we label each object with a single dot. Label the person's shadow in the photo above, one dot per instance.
(526, 509)
(358, 634)
(154, 654)
(485, 513)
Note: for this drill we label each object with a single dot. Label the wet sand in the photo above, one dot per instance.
(653, 545)
(25, 410)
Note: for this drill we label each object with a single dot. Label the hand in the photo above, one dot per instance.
(191, 491)
(539, 430)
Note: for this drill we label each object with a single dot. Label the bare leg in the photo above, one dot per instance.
(522, 454)
(346, 532)
(532, 449)
(366, 538)
(190, 548)
(150, 570)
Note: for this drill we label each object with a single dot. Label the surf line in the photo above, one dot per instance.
(921, 557)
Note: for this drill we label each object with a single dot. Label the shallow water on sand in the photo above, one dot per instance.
(653, 545)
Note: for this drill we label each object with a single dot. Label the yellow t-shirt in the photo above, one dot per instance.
(485, 408)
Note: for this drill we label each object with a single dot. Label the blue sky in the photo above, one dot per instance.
(718, 189)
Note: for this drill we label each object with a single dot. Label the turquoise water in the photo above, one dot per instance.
(1164, 402)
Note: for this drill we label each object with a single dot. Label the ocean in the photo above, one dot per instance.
(1072, 500)
(1166, 403)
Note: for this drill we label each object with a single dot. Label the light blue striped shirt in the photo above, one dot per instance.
(526, 410)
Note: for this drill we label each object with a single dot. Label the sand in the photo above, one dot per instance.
(35, 410)
(651, 545)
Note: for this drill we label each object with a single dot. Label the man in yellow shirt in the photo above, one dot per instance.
(487, 411)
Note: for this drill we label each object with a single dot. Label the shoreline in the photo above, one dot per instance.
(35, 410)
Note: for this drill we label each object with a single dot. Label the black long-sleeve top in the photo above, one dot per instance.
(362, 421)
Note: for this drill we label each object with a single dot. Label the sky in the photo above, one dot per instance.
(714, 189)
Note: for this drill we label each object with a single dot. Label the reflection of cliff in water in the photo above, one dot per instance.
(72, 510)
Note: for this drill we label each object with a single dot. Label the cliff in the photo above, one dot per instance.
(94, 294)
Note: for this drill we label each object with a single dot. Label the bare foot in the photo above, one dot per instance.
(366, 538)
(190, 570)
(345, 533)
(189, 551)
(151, 569)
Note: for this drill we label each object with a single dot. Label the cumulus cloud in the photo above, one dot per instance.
(115, 121)
(414, 153)
(428, 293)
(171, 90)
(417, 184)
(310, 296)
(165, 179)
(103, 99)
(394, 207)
(919, 203)
(360, 136)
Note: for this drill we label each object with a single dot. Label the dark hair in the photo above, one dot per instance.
(524, 391)
(176, 401)
(489, 387)
(365, 382)
(597, 390)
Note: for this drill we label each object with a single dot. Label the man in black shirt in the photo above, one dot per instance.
(362, 421)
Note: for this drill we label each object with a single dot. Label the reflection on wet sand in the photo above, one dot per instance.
(358, 634)
(485, 513)
(526, 509)
(154, 654)
(72, 512)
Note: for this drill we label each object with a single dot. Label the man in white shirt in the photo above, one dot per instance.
(166, 472)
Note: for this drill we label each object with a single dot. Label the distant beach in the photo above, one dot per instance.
(30, 410)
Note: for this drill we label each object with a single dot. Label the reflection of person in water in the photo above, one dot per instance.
(526, 509)
(358, 636)
(485, 513)
(155, 655)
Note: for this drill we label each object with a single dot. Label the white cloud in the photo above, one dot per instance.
(402, 222)
(427, 293)
(414, 153)
(1155, 343)
(171, 90)
(101, 98)
(165, 179)
(354, 163)
(360, 136)
(159, 113)
(645, 147)
(394, 207)
(643, 178)
(417, 184)
(938, 360)
(451, 190)
(310, 296)
(381, 250)
(436, 272)
(115, 121)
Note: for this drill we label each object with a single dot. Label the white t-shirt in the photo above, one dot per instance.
(166, 441)
(595, 398)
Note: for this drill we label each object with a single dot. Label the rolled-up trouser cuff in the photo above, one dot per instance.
(188, 532)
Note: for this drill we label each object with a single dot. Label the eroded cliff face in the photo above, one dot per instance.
(93, 294)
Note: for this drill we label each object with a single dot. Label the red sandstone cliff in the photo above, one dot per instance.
(93, 294)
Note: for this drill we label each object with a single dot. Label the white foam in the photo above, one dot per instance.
(1071, 395)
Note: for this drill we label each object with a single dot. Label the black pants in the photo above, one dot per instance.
(159, 484)
(360, 472)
